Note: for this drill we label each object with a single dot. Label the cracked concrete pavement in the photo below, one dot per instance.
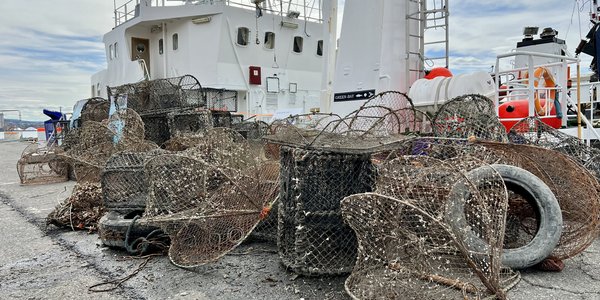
(47, 263)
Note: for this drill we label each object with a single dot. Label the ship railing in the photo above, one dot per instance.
(589, 100)
(125, 12)
(517, 87)
(306, 10)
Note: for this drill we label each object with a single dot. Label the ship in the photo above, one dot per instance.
(280, 58)
(267, 54)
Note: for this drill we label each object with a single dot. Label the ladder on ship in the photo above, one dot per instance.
(430, 15)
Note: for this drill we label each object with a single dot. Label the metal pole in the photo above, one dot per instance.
(115, 11)
(578, 101)
(531, 87)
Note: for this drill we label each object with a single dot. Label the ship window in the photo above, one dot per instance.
(298, 43)
(269, 40)
(161, 46)
(320, 48)
(110, 52)
(116, 50)
(175, 41)
(242, 36)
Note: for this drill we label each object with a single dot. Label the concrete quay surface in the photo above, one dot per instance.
(40, 262)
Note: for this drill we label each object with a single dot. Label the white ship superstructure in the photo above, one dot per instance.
(270, 52)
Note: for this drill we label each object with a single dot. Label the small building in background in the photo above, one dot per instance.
(30, 133)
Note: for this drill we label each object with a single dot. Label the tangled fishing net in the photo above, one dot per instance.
(431, 230)
(533, 131)
(41, 165)
(81, 210)
(209, 197)
(469, 116)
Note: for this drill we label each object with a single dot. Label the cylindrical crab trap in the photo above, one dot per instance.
(313, 238)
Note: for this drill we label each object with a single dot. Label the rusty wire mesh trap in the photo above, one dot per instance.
(41, 165)
(124, 187)
(312, 237)
(94, 143)
(432, 230)
(574, 187)
(533, 131)
(325, 159)
(162, 95)
(95, 109)
(469, 116)
(209, 197)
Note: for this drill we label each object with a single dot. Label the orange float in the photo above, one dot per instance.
(519, 109)
(438, 72)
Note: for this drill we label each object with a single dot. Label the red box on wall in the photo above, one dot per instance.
(255, 76)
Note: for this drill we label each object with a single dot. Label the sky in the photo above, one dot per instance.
(50, 48)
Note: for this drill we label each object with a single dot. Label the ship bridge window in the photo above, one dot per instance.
(320, 48)
(116, 50)
(298, 44)
(161, 46)
(175, 41)
(111, 52)
(243, 36)
(269, 40)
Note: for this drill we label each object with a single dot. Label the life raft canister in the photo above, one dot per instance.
(544, 75)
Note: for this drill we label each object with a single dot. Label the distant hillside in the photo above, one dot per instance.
(12, 123)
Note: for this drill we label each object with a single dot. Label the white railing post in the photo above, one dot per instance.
(531, 86)
(563, 93)
(497, 88)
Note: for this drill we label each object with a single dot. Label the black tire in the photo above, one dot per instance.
(538, 194)
(113, 226)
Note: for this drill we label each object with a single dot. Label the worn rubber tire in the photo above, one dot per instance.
(113, 226)
(537, 193)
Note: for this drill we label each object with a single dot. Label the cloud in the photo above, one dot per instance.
(49, 49)
(483, 29)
